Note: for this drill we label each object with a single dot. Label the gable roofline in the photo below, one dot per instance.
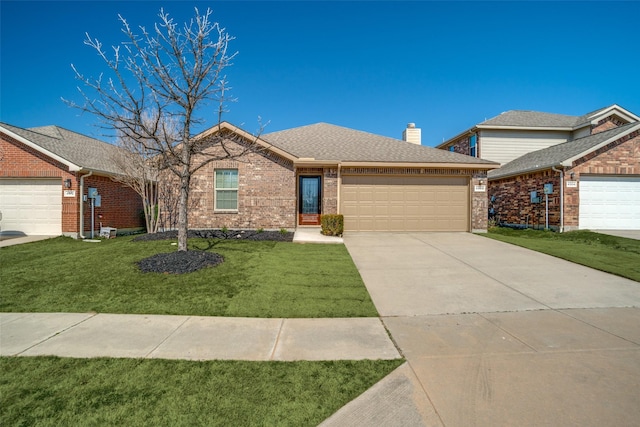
(625, 114)
(338, 145)
(562, 155)
(469, 131)
(540, 121)
(224, 125)
(569, 162)
(72, 166)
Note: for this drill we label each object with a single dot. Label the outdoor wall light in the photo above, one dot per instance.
(67, 183)
(571, 174)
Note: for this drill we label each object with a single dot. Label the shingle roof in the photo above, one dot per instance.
(555, 155)
(522, 118)
(533, 119)
(323, 141)
(81, 150)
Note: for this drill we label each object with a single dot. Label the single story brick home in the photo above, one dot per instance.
(591, 182)
(46, 174)
(377, 183)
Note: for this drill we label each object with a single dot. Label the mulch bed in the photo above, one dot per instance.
(181, 262)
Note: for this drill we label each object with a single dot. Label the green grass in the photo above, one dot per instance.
(257, 279)
(616, 255)
(50, 391)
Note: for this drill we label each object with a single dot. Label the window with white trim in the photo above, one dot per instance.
(473, 145)
(226, 190)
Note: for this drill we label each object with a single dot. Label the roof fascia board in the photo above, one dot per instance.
(72, 166)
(621, 112)
(569, 162)
(264, 144)
(503, 127)
(421, 165)
(469, 131)
(313, 163)
(522, 172)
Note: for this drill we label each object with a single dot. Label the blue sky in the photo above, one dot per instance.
(372, 66)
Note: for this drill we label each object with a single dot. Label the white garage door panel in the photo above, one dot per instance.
(611, 203)
(31, 206)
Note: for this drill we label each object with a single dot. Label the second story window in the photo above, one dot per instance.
(473, 140)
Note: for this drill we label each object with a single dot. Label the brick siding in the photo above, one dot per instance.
(121, 207)
(266, 192)
(512, 200)
(606, 124)
(120, 204)
(462, 145)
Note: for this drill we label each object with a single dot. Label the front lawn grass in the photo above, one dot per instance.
(617, 255)
(51, 391)
(256, 279)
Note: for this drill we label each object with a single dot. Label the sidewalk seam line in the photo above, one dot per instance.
(277, 340)
(146, 356)
(57, 333)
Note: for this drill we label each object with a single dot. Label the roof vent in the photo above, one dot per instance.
(412, 134)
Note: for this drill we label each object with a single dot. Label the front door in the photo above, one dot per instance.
(310, 200)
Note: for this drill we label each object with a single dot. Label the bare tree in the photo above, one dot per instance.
(141, 170)
(170, 74)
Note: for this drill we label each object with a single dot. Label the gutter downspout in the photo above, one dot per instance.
(82, 204)
(561, 196)
(339, 185)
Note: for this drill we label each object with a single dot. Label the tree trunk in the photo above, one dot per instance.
(183, 205)
(183, 227)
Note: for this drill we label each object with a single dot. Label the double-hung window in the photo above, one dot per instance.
(473, 142)
(226, 190)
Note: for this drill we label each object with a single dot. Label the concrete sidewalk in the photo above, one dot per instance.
(193, 337)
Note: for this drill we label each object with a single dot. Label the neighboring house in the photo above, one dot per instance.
(591, 162)
(44, 174)
(595, 184)
(515, 133)
(378, 183)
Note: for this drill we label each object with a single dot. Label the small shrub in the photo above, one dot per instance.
(260, 230)
(283, 231)
(332, 224)
(224, 229)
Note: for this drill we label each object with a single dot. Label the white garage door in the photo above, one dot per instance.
(611, 202)
(397, 203)
(31, 206)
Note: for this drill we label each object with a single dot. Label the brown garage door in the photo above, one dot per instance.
(396, 203)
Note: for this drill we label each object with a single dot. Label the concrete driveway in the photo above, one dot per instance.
(497, 335)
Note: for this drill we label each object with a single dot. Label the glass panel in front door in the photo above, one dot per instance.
(310, 188)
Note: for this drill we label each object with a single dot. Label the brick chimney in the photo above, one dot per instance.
(412, 134)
